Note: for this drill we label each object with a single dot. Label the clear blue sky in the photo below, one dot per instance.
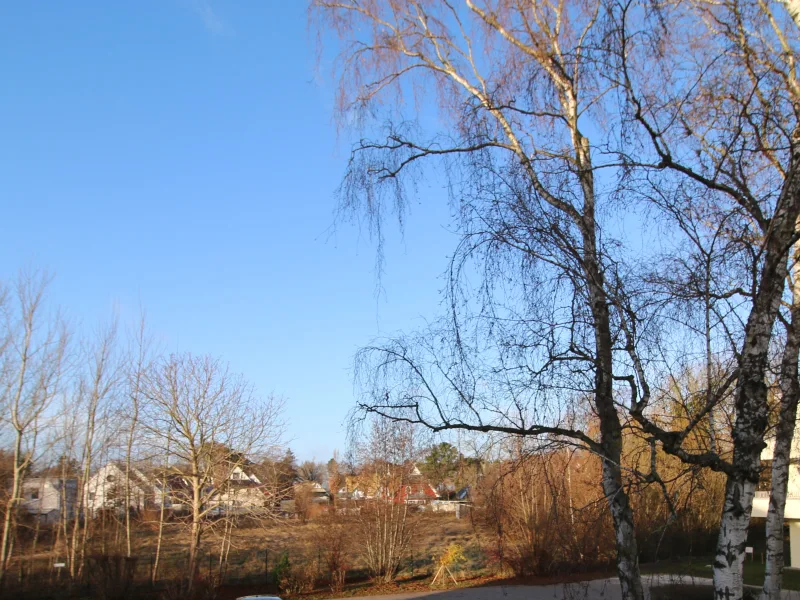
(181, 155)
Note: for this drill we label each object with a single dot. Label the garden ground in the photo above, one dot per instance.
(256, 550)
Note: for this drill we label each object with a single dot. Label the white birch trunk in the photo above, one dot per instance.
(790, 392)
(729, 559)
(751, 389)
(624, 533)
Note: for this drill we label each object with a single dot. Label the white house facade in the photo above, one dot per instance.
(106, 489)
(243, 492)
(50, 498)
(792, 513)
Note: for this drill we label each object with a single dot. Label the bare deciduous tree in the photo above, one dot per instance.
(720, 123)
(96, 387)
(384, 521)
(32, 350)
(784, 435)
(139, 357)
(518, 90)
(210, 421)
(310, 471)
(536, 158)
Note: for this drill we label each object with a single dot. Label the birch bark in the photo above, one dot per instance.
(790, 392)
(751, 389)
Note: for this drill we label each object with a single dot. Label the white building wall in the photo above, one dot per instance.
(40, 494)
(761, 500)
(792, 512)
(45, 496)
(106, 489)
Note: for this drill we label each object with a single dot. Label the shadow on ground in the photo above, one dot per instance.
(659, 587)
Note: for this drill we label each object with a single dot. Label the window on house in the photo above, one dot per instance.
(35, 495)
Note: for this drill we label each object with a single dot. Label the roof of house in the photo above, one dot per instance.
(135, 476)
(48, 479)
(313, 486)
(138, 478)
(416, 491)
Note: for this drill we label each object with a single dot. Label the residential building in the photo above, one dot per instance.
(792, 513)
(402, 484)
(106, 489)
(416, 489)
(50, 498)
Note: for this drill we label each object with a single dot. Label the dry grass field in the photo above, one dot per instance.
(256, 549)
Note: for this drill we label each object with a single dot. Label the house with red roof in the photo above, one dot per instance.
(415, 489)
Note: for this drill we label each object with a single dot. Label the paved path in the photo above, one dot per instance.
(599, 589)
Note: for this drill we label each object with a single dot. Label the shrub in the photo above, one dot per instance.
(539, 522)
(281, 568)
(332, 539)
(298, 580)
(337, 580)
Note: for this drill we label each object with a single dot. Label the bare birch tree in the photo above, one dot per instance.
(96, 387)
(32, 350)
(784, 435)
(163, 489)
(518, 89)
(139, 363)
(721, 121)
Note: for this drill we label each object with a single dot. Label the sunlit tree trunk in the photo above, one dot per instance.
(135, 385)
(102, 378)
(196, 530)
(751, 389)
(162, 508)
(784, 436)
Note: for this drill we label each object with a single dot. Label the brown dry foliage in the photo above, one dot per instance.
(545, 513)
